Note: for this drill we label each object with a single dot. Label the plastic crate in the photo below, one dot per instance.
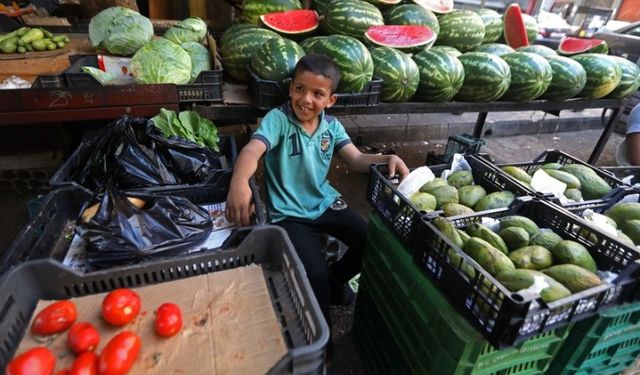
(53, 81)
(25, 179)
(507, 318)
(63, 177)
(206, 88)
(457, 144)
(269, 94)
(50, 232)
(402, 216)
(605, 344)
(302, 324)
(433, 337)
(556, 156)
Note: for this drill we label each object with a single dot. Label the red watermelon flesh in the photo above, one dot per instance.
(400, 36)
(436, 6)
(572, 46)
(515, 33)
(296, 21)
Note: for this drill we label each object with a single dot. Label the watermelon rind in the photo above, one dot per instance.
(531, 76)
(497, 49)
(276, 59)
(288, 15)
(436, 6)
(486, 77)
(531, 25)
(446, 49)
(384, 3)
(398, 71)
(492, 25)
(398, 36)
(461, 29)
(603, 75)
(541, 50)
(568, 78)
(565, 43)
(253, 9)
(629, 81)
(351, 18)
(441, 75)
(411, 14)
(237, 52)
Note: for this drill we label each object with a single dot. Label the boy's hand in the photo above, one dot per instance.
(239, 205)
(396, 165)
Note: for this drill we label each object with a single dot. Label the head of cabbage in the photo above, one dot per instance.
(200, 58)
(192, 29)
(161, 61)
(121, 31)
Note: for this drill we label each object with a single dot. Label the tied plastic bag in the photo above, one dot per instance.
(121, 233)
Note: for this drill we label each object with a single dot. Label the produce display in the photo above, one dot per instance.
(35, 39)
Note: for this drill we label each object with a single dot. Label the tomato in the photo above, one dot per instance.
(83, 337)
(35, 361)
(85, 364)
(55, 318)
(168, 320)
(119, 354)
(120, 306)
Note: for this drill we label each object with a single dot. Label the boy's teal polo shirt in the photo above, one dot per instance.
(297, 163)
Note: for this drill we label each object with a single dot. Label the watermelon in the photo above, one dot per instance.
(232, 30)
(515, 32)
(603, 75)
(486, 77)
(530, 76)
(441, 75)
(351, 18)
(411, 14)
(384, 3)
(291, 22)
(569, 77)
(320, 6)
(629, 81)
(398, 71)
(404, 37)
(492, 25)
(574, 46)
(497, 49)
(351, 56)
(446, 49)
(541, 50)
(253, 9)
(276, 59)
(306, 44)
(436, 6)
(237, 52)
(531, 25)
(461, 29)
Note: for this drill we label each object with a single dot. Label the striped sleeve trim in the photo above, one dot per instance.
(342, 144)
(262, 139)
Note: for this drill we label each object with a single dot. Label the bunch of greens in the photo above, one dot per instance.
(188, 125)
(121, 31)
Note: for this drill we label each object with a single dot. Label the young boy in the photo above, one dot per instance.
(299, 140)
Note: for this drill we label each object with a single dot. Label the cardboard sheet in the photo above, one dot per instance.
(229, 326)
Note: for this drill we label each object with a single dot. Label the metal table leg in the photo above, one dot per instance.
(604, 137)
(477, 130)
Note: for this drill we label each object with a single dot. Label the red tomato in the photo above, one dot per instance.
(120, 306)
(83, 337)
(119, 354)
(168, 320)
(36, 361)
(85, 364)
(55, 318)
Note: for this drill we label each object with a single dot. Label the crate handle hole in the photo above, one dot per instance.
(517, 297)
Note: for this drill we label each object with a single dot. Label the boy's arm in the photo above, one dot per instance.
(239, 205)
(360, 162)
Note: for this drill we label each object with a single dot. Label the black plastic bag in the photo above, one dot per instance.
(121, 233)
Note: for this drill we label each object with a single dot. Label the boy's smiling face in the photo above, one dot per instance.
(310, 94)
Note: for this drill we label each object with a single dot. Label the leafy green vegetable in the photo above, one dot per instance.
(188, 125)
(200, 58)
(161, 61)
(192, 29)
(104, 78)
(121, 31)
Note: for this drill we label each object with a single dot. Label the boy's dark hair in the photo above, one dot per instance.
(322, 65)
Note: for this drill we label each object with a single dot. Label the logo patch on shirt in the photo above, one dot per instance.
(325, 142)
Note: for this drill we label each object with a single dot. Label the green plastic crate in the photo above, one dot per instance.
(432, 335)
(605, 344)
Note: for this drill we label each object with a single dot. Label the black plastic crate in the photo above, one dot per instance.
(64, 176)
(402, 216)
(555, 156)
(457, 144)
(53, 81)
(25, 179)
(302, 324)
(206, 88)
(269, 94)
(507, 318)
(50, 232)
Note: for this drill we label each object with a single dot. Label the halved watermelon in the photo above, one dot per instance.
(403, 37)
(572, 46)
(515, 32)
(291, 22)
(436, 6)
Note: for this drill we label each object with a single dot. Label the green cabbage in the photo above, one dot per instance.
(161, 61)
(192, 29)
(121, 31)
(200, 58)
